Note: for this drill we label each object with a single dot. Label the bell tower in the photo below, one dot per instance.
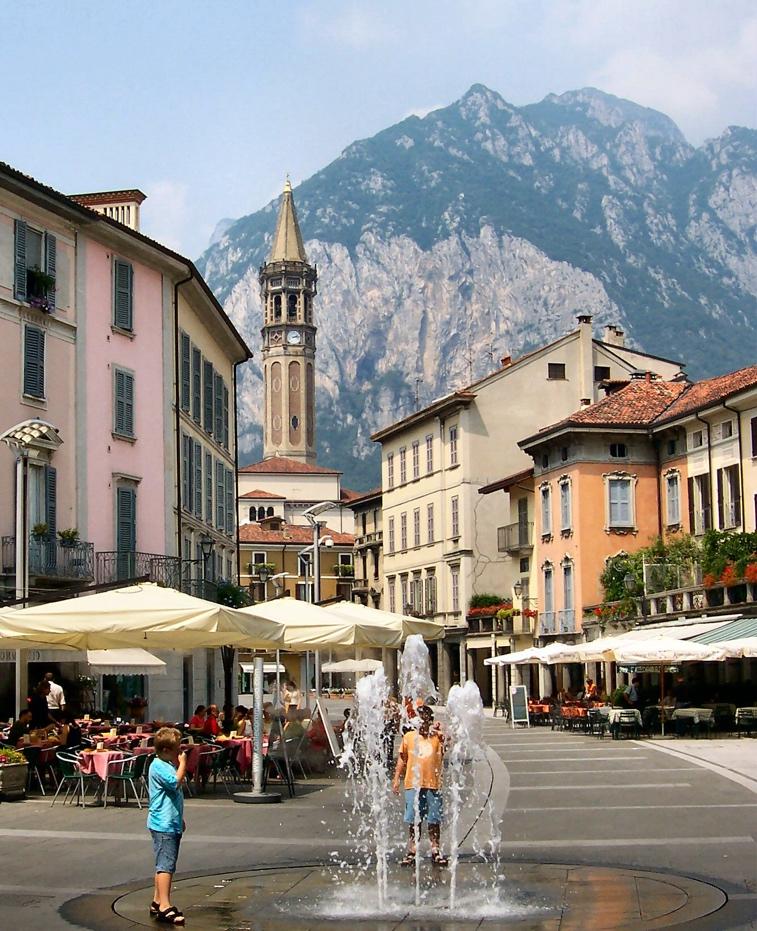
(287, 288)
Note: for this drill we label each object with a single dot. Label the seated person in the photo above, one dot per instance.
(341, 726)
(245, 725)
(293, 727)
(20, 728)
(70, 734)
(197, 721)
(590, 690)
(267, 717)
(211, 727)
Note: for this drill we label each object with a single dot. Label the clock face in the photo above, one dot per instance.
(294, 337)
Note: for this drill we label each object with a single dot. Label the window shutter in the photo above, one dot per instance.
(198, 479)
(123, 289)
(185, 472)
(34, 362)
(229, 502)
(51, 253)
(692, 519)
(19, 270)
(196, 384)
(218, 400)
(185, 376)
(129, 403)
(51, 500)
(754, 437)
(706, 502)
(721, 507)
(225, 417)
(207, 400)
(124, 403)
(208, 488)
(126, 530)
(220, 497)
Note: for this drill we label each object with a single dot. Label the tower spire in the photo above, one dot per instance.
(287, 240)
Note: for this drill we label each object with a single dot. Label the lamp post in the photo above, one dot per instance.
(311, 516)
(518, 589)
(207, 545)
(632, 587)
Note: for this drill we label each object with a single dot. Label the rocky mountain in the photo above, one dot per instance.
(480, 230)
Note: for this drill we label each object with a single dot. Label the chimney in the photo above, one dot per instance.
(118, 205)
(505, 361)
(585, 356)
(614, 336)
(585, 402)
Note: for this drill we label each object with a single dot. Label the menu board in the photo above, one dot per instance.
(519, 705)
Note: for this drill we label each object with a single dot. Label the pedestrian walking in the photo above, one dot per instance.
(165, 820)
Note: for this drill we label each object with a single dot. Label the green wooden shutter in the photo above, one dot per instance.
(198, 479)
(229, 502)
(692, 519)
(196, 384)
(51, 500)
(186, 351)
(126, 518)
(207, 416)
(225, 416)
(218, 401)
(34, 362)
(19, 270)
(124, 403)
(51, 254)
(129, 403)
(123, 290)
(721, 503)
(208, 488)
(186, 472)
(220, 496)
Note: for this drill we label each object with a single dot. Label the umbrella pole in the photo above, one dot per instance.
(278, 680)
(662, 701)
(257, 796)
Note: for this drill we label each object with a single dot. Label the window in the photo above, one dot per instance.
(556, 371)
(455, 587)
(197, 479)
(416, 460)
(403, 531)
(196, 384)
(618, 451)
(430, 453)
(218, 406)
(453, 445)
(35, 253)
(345, 559)
(220, 496)
(390, 470)
(563, 454)
(430, 593)
(126, 522)
(123, 295)
(229, 476)
(729, 498)
(123, 403)
(601, 372)
(417, 527)
(545, 461)
(672, 447)
(700, 504)
(390, 584)
(455, 514)
(225, 416)
(305, 591)
(34, 362)
(673, 499)
(525, 564)
(619, 502)
(565, 505)
(303, 564)
(754, 437)
(545, 496)
(416, 593)
(186, 379)
(403, 465)
(567, 587)
(696, 439)
(726, 429)
(187, 475)
(430, 522)
(391, 534)
(549, 591)
(403, 591)
(209, 489)
(207, 397)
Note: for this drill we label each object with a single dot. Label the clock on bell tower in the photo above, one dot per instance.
(287, 288)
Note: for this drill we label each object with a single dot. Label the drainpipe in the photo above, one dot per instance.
(709, 468)
(658, 460)
(236, 473)
(177, 411)
(741, 460)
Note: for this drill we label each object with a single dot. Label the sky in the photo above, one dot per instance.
(206, 106)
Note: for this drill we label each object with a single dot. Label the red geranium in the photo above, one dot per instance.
(750, 573)
(729, 576)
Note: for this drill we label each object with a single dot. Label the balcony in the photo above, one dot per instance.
(51, 559)
(547, 623)
(369, 540)
(566, 621)
(113, 566)
(514, 538)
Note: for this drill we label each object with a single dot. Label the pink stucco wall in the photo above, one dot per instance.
(142, 355)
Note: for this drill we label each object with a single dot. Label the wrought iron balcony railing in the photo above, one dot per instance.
(49, 558)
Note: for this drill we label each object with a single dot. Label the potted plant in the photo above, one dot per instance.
(344, 569)
(40, 532)
(13, 772)
(40, 284)
(68, 537)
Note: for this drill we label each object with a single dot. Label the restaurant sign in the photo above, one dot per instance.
(9, 656)
(647, 667)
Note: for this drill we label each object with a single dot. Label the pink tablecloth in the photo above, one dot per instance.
(97, 761)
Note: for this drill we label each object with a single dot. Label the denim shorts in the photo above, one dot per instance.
(429, 806)
(166, 848)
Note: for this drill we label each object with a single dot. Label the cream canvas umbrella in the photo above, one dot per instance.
(529, 655)
(353, 665)
(133, 662)
(144, 615)
(739, 648)
(406, 625)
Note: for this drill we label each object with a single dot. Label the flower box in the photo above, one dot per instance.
(13, 778)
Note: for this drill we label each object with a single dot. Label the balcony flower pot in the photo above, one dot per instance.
(40, 532)
(69, 538)
(14, 771)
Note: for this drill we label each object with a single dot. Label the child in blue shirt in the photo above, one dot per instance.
(165, 819)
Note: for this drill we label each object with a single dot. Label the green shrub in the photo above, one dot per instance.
(486, 600)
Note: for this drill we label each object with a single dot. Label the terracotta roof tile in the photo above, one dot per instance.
(702, 394)
(366, 495)
(282, 466)
(258, 493)
(638, 403)
(349, 495)
(290, 533)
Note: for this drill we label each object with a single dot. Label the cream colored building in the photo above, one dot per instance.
(439, 534)
(369, 532)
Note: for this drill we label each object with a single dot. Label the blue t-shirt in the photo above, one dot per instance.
(166, 811)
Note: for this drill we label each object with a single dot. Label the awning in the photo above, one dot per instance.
(268, 668)
(735, 630)
(133, 662)
(353, 665)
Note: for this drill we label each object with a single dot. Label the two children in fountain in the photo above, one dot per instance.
(420, 760)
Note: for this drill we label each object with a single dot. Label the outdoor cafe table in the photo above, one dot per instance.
(538, 708)
(613, 714)
(96, 761)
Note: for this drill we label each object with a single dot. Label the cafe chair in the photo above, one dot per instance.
(126, 771)
(73, 778)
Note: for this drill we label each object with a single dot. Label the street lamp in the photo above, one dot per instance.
(632, 587)
(311, 516)
(264, 574)
(207, 545)
(518, 589)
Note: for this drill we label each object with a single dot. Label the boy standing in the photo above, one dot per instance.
(165, 819)
(420, 760)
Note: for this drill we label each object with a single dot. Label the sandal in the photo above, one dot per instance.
(438, 858)
(154, 909)
(171, 916)
(408, 859)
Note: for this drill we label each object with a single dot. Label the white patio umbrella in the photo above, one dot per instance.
(406, 625)
(739, 648)
(353, 665)
(529, 655)
(134, 662)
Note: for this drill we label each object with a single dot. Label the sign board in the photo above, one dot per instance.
(329, 728)
(647, 667)
(519, 705)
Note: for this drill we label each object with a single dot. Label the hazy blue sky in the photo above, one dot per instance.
(205, 105)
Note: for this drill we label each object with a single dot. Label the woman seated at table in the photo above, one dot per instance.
(244, 724)
(197, 721)
(211, 727)
(70, 734)
(294, 724)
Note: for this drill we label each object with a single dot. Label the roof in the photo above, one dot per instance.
(280, 465)
(90, 217)
(743, 627)
(505, 484)
(711, 391)
(259, 493)
(364, 496)
(290, 533)
(109, 197)
(347, 495)
(447, 403)
(287, 240)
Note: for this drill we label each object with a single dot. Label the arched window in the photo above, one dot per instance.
(269, 512)
(252, 513)
(292, 307)
(277, 307)
(261, 513)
